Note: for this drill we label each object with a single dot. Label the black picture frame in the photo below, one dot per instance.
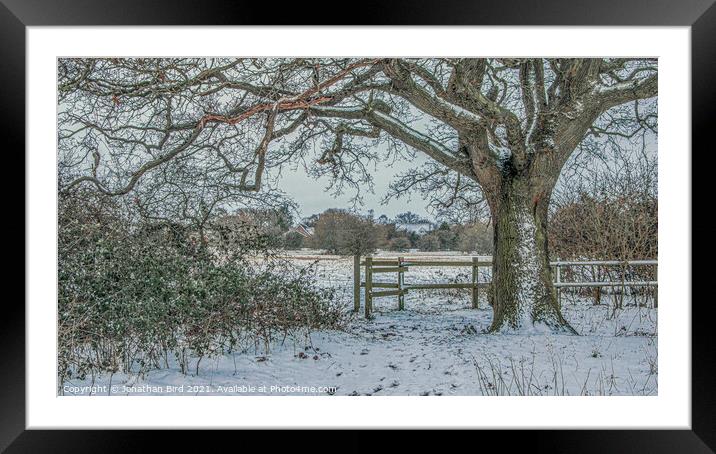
(16, 15)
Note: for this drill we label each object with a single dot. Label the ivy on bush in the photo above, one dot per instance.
(135, 295)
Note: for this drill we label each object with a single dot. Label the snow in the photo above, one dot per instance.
(501, 152)
(536, 106)
(576, 110)
(458, 111)
(527, 266)
(434, 347)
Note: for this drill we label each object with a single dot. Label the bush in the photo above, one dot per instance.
(466, 238)
(607, 212)
(621, 228)
(345, 233)
(477, 237)
(131, 295)
(605, 228)
(429, 242)
(268, 224)
(399, 244)
(293, 240)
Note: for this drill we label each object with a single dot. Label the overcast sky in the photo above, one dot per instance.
(311, 195)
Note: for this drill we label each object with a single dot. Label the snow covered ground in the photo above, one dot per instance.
(436, 346)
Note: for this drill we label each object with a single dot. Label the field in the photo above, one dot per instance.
(436, 346)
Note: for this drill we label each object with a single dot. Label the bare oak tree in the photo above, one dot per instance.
(495, 129)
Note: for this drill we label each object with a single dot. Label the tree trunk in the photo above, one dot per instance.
(523, 294)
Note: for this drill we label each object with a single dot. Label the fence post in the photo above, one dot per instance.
(558, 274)
(597, 293)
(368, 286)
(656, 287)
(621, 298)
(475, 282)
(401, 282)
(356, 283)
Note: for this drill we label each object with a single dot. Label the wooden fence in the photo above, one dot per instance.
(400, 265)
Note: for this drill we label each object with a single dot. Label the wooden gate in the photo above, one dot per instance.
(399, 288)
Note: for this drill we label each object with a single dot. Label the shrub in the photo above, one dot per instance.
(466, 238)
(619, 228)
(345, 233)
(293, 240)
(429, 242)
(131, 295)
(399, 244)
(477, 237)
(607, 212)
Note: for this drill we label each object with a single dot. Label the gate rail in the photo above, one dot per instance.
(400, 265)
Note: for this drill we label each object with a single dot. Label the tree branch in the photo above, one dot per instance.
(629, 90)
(400, 131)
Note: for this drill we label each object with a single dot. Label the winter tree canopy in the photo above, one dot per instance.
(183, 135)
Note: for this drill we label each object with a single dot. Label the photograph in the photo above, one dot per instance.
(357, 226)
(429, 218)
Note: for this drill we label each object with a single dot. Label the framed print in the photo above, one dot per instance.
(457, 216)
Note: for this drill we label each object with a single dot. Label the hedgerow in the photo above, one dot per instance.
(137, 295)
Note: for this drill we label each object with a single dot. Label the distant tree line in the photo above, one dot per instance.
(610, 217)
(344, 232)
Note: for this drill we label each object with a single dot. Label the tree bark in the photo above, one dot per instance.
(523, 295)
